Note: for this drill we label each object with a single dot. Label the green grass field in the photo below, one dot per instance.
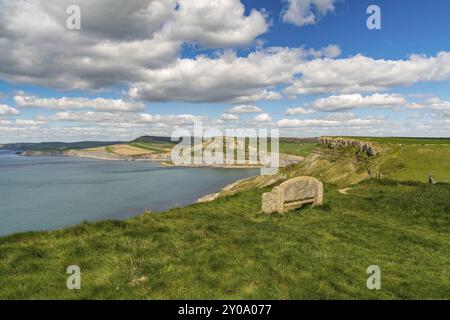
(228, 249)
(293, 148)
(417, 162)
(159, 148)
(297, 149)
(400, 140)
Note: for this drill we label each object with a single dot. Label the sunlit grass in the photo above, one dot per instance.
(228, 249)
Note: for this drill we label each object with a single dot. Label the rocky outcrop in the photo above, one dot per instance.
(363, 146)
(293, 194)
(208, 197)
(227, 188)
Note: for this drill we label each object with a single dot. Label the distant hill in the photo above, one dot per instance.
(165, 140)
(154, 139)
(51, 146)
(56, 145)
(299, 140)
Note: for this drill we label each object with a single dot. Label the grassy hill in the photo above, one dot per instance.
(154, 140)
(228, 249)
(401, 140)
(56, 146)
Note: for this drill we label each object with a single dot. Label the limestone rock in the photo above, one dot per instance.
(363, 146)
(293, 194)
(269, 202)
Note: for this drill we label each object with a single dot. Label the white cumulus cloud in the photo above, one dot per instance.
(263, 117)
(229, 117)
(227, 77)
(298, 111)
(306, 12)
(354, 101)
(119, 40)
(6, 110)
(361, 74)
(98, 104)
(245, 108)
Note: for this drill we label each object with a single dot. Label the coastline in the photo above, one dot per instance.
(213, 196)
(163, 159)
(97, 155)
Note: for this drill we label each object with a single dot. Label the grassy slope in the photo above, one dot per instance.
(297, 149)
(408, 161)
(154, 147)
(417, 161)
(399, 140)
(227, 249)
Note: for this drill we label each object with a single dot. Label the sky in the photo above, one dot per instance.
(149, 67)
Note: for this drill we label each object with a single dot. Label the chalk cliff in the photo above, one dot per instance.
(331, 142)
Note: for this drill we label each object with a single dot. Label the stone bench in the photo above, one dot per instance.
(293, 194)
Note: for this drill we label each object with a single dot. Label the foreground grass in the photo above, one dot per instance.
(227, 249)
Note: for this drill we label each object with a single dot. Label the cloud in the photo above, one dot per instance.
(119, 40)
(226, 77)
(102, 118)
(245, 108)
(354, 101)
(229, 117)
(8, 111)
(215, 24)
(361, 74)
(306, 12)
(263, 117)
(140, 50)
(340, 116)
(93, 117)
(29, 122)
(352, 122)
(436, 103)
(332, 51)
(298, 111)
(175, 120)
(99, 104)
(267, 95)
(232, 78)
(439, 108)
(37, 133)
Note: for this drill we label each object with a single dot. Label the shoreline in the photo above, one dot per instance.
(164, 160)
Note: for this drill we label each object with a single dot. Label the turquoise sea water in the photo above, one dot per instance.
(49, 193)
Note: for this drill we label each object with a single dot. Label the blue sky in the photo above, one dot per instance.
(206, 61)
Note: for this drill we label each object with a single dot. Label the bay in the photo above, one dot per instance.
(45, 193)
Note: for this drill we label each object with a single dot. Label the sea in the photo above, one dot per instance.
(47, 193)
